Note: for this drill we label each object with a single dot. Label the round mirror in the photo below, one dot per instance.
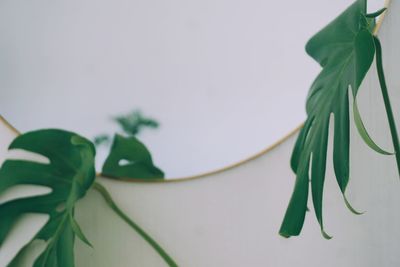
(211, 82)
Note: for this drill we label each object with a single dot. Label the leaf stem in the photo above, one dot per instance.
(107, 197)
(386, 99)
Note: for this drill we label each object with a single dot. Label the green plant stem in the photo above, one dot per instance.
(107, 197)
(386, 99)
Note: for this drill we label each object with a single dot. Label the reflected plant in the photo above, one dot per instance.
(131, 124)
(134, 122)
(101, 139)
(70, 173)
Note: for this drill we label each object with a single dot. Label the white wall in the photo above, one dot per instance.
(225, 78)
(232, 218)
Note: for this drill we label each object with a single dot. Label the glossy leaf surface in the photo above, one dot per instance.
(69, 174)
(345, 50)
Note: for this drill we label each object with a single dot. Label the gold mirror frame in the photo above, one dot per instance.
(222, 169)
(191, 177)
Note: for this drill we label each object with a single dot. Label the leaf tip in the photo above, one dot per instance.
(348, 205)
(284, 235)
(325, 235)
(376, 14)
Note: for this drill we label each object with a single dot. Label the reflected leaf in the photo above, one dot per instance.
(102, 139)
(129, 158)
(134, 122)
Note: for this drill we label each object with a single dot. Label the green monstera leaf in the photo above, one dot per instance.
(345, 49)
(69, 174)
(129, 158)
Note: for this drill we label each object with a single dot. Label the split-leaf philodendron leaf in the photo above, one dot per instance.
(129, 158)
(345, 49)
(69, 174)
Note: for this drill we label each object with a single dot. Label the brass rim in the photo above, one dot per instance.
(381, 18)
(186, 178)
(210, 173)
(9, 126)
(219, 170)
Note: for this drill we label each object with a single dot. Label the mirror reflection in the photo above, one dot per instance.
(202, 83)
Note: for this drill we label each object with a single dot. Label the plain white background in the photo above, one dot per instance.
(225, 78)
